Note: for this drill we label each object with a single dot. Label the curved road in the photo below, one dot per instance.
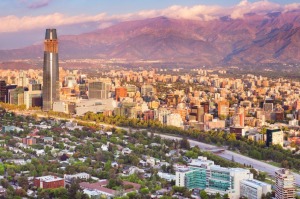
(261, 166)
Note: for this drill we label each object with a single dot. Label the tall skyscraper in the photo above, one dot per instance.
(50, 70)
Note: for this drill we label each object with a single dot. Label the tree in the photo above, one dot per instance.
(23, 182)
(2, 169)
(204, 195)
(144, 191)
(185, 144)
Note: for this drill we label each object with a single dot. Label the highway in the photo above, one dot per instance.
(261, 166)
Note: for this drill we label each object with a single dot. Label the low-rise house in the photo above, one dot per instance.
(83, 176)
(100, 187)
(104, 147)
(2, 191)
(152, 161)
(167, 176)
(6, 129)
(18, 161)
(126, 151)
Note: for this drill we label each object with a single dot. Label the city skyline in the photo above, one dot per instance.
(30, 18)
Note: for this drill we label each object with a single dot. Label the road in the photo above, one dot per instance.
(261, 166)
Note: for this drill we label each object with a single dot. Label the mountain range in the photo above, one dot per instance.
(255, 38)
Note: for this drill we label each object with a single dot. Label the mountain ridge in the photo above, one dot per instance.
(269, 38)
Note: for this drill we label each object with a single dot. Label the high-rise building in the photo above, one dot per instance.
(254, 189)
(16, 96)
(120, 92)
(197, 114)
(223, 108)
(33, 96)
(2, 91)
(99, 90)
(284, 184)
(50, 70)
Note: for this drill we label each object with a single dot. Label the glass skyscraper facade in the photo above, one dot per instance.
(50, 70)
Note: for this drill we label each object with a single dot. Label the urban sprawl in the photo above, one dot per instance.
(146, 133)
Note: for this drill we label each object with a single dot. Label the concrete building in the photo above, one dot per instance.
(284, 184)
(61, 106)
(29, 140)
(147, 90)
(223, 108)
(33, 96)
(82, 176)
(274, 136)
(254, 189)
(174, 120)
(99, 90)
(2, 91)
(49, 182)
(95, 106)
(120, 92)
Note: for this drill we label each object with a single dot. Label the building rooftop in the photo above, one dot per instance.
(255, 183)
(49, 178)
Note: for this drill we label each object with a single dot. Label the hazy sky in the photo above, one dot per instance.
(24, 21)
(74, 7)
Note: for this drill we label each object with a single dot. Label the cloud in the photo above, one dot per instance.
(198, 12)
(13, 23)
(34, 4)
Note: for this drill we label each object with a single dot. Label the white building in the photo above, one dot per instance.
(180, 177)
(294, 122)
(227, 180)
(83, 175)
(174, 119)
(254, 189)
(61, 106)
(167, 176)
(95, 106)
(202, 162)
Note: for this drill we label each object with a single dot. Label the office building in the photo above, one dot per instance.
(50, 70)
(213, 178)
(274, 137)
(16, 96)
(197, 114)
(191, 178)
(2, 91)
(147, 90)
(99, 90)
(227, 180)
(254, 189)
(223, 108)
(284, 184)
(33, 96)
